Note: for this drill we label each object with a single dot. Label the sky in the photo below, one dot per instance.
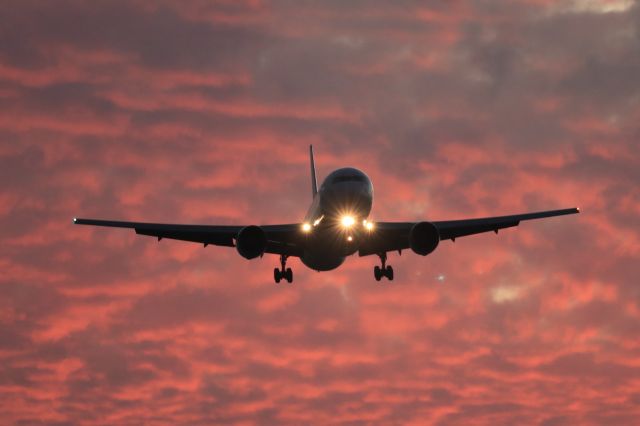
(202, 112)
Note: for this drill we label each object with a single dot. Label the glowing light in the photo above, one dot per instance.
(368, 225)
(318, 220)
(347, 221)
(306, 227)
(349, 238)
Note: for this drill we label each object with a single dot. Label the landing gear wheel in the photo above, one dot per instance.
(384, 270)
(377, 273)
(283, 272)
(389, 273)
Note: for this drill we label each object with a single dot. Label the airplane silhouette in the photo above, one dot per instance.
(335, 226)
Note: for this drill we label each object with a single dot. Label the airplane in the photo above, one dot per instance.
(336, 226)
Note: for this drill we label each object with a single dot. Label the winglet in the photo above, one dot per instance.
(314, 182)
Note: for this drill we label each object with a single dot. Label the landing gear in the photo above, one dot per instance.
(384, 270)
(377, 273)
(279, 274)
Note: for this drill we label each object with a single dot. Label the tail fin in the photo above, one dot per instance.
(314, 183)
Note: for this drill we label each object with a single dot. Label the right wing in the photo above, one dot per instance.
(281, 239)
(452, 229)
(391, 236)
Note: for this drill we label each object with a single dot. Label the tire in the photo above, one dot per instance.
(377, 273)
(277, 276)
(288, 274)
(389, 273)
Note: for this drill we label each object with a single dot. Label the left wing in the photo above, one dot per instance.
(390, 236)
(281, 239)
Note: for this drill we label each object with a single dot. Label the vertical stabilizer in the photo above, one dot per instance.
(314, 182)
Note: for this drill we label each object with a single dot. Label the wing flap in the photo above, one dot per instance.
(455, 231)
(218, 239)
(288, 249)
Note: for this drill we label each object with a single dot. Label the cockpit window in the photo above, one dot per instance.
(349, 178)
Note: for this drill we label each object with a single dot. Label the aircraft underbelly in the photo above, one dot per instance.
(327, 249)
(321, 261)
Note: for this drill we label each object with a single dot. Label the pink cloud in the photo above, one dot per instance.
(203, 113)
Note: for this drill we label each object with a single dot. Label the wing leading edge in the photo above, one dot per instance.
(281, 239)
(390, 236)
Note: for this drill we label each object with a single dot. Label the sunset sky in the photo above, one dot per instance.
(202, 112)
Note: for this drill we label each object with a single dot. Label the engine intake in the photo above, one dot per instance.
(424, 238)
(251, 242)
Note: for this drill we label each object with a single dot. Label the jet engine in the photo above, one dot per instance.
(424, 238)
(251, 242)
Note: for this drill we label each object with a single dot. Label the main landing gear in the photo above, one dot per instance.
(384, 270)
(281, 273)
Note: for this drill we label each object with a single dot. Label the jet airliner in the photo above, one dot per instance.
(336, 226)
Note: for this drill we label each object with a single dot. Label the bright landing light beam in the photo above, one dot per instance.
(347, 221)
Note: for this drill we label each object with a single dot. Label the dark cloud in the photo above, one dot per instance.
(157, 36)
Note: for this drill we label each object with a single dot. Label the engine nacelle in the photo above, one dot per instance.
(424, 238)
(251, 242)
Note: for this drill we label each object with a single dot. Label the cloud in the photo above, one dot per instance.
(203, 112)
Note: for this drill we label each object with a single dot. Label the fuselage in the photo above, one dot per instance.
(337, 218)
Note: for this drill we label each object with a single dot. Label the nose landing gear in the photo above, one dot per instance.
(279, 274)
(384, 270)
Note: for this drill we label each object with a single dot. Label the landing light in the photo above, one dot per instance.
(306, 227)
(368, 225)
(347, 221)
(349, 238)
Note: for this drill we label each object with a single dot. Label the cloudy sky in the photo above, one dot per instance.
(202, 112)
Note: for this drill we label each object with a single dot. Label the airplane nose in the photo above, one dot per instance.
(344, 197)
